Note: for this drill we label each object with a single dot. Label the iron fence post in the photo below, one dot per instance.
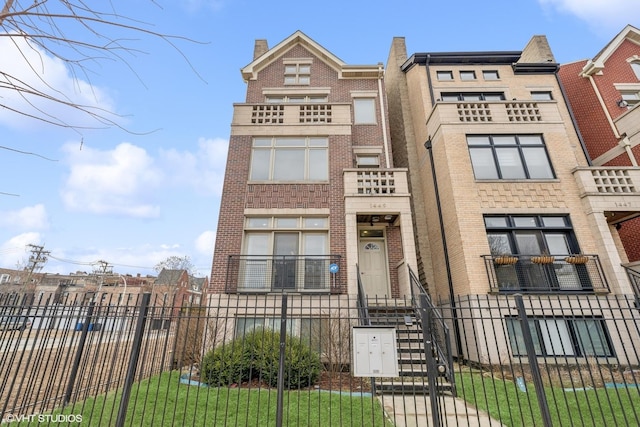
(432, 368)
(533, 362)
(281, 367)
(133, 359)
(76, 360)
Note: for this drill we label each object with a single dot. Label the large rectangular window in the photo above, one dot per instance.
(364, 111)
(553, 337)
(528, 236)
(509, 157)
(290, 159)
(286, 253)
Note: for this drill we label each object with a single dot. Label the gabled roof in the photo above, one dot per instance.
(169, 277)
(250, 71)
(596, 64)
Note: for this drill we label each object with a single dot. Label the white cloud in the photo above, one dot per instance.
(41, 71)
(30, 217)
(205, 241)
(202, 170)
(601, 14)
(118, 181)
(14, 250)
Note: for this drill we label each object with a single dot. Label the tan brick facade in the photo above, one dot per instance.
(456, 241)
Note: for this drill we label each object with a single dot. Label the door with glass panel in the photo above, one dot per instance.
(285, 260)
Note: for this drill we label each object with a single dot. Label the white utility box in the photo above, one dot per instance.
(375, 352)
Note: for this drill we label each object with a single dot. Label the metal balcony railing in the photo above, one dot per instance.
(634, 278)
(280, 273)
(545, 273)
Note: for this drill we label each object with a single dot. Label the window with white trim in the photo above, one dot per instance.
(367, 160)
(4, 278)
(297, 74)
(635, 66)
(290, 159)
(630, 98)
(364, 111)
(556, 336)
(298, 99)
(288, 252)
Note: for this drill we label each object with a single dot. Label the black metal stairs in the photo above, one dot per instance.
(412, 363)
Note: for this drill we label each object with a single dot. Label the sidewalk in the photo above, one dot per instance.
(415, 411)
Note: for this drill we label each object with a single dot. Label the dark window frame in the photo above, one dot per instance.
(521, 147)
(490, 73)
(442, 73)
(541, 95)
(484, 96)
(577, 341)
(511, 228)
(465, 74)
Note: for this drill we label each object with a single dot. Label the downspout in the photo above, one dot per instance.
(383, 117)
(445, 248)
(433, 99)
(443, 235)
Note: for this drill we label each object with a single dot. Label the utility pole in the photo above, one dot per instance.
(37, 260)
(101, 269)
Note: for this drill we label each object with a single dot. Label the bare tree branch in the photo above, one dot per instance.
(79, 35)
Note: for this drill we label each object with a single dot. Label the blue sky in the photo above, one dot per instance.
(134, 197)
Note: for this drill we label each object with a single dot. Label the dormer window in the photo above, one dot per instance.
(297, 73)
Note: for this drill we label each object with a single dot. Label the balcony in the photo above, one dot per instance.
(511, 112)
(375, 182)
(615, 190)
(282, 273)
(291, 114)
(545, 274)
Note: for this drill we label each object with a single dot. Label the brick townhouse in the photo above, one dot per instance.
(310, 189)
(604, 93)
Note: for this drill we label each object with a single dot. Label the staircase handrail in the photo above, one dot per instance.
(363, 307)
(442, 345)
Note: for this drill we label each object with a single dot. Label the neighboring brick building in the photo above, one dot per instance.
(604, 93)
(309, 183)
(503, 193)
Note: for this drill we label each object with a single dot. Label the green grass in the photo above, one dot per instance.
(504, 401)
(162, 400)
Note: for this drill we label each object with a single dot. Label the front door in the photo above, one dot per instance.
(372, 260)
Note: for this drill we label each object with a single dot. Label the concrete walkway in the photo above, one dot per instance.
(415, 411)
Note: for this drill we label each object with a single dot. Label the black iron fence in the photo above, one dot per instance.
(288, 359)
(545, 273)
(303, 273)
